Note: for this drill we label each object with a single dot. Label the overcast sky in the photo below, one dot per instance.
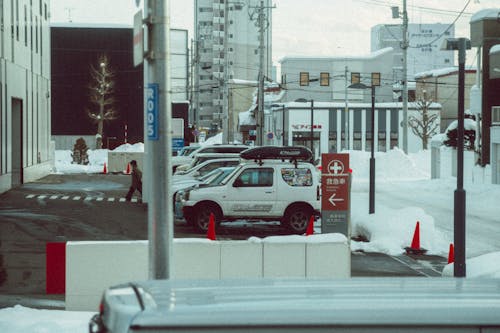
(300, 27)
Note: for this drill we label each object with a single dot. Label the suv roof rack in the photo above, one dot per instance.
(292, 153)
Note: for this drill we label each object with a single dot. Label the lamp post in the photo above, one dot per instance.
(303, 100)
(460, 44)
(359, 85)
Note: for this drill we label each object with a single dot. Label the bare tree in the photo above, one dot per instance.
(101, 94)
(424, 125)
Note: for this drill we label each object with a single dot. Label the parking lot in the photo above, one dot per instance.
(60, 208)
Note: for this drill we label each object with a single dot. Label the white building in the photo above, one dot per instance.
(25, 149)
(226, 47)
(328, 120)
(424, 50)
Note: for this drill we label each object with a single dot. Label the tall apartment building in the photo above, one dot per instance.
(226, 47)
(424, 51)
(25, 148)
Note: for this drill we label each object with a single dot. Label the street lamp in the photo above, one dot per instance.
(359, 85)
(303, 100)
(460, 44)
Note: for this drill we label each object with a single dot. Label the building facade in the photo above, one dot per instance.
(25, 122)
(424, 51)
(226, 47)
(441, 86)
(75, 48)
(292, 123)
(326, 79)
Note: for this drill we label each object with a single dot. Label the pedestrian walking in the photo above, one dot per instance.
(136, 180)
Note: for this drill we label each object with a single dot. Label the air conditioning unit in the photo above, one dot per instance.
(495, 115)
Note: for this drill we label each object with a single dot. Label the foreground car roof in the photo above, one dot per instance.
(327, 303)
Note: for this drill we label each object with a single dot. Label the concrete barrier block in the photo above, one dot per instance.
(284, 259)
(241, 259)
(91, 267)
(328, 260)
(196, 259)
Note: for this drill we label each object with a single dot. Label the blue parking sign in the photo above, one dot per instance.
(152, 111)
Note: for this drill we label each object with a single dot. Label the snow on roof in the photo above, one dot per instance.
(441, 72)
(332, 105)
(246, 118)
(90, 25)
(495, 49)
(486, 14)
(372, 55)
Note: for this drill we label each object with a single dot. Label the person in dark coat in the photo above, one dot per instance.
(136, 180)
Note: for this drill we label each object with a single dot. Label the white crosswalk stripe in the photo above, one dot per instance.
(53, 197)
(77, 197)
(66, 197)
(42, 196)
(122, 199)
(99, 199)
(30, 196)
(111, 199)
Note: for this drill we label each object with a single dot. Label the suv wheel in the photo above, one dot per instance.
(202, 217)
(297, 219)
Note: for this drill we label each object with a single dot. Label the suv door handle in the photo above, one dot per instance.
(269, 191)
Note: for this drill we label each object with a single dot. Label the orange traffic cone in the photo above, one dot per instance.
(211, 228)
(310, 226)
(127, 171)
(451, 254)
(104, 169)
(415, 243)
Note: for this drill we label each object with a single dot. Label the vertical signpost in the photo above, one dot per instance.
(335, 188)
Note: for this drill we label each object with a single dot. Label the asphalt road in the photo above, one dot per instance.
(60, 208)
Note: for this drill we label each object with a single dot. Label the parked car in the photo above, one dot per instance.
(212, 178)
(186, 150)
(201, 158)
(206, 166)
(271, 184)
(207, 149)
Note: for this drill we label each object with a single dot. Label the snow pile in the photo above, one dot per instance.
(128, 148)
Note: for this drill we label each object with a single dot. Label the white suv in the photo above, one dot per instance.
(272, 183)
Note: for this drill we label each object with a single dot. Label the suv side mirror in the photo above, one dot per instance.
(237, 183)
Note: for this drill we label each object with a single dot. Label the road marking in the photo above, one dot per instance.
(77, 197)
(42, 196)
(88, 198)
(66, 197)
(52, 197)
(122, 199)
(29, 196)
(134, 199)
(111, 199)
(99, 199)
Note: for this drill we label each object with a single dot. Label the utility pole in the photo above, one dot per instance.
(262, 24)
(158, 113)
(404, 46)
(225, 100)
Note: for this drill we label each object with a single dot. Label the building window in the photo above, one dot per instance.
(304, 78)
(324, 79)
(355, 78)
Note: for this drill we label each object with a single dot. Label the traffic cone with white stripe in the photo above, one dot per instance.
(415, 243)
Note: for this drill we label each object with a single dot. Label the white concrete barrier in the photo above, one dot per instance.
(91, 267)
(118, 160)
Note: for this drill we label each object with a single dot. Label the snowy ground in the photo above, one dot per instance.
(405, 194)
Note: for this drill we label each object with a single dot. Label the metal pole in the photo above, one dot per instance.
(405, 78)
(312, 126)
(459, 197)
(372, 158)
(160, 229)
(346, 122)
(260, 114)
(225, 100)
(283, 120)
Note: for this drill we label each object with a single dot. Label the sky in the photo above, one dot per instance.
(312, 28)
(404, 193)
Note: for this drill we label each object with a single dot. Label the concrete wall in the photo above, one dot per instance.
(91, 267)
(117, 161)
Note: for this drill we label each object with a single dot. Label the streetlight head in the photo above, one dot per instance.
(455, 43)
(358, 85)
